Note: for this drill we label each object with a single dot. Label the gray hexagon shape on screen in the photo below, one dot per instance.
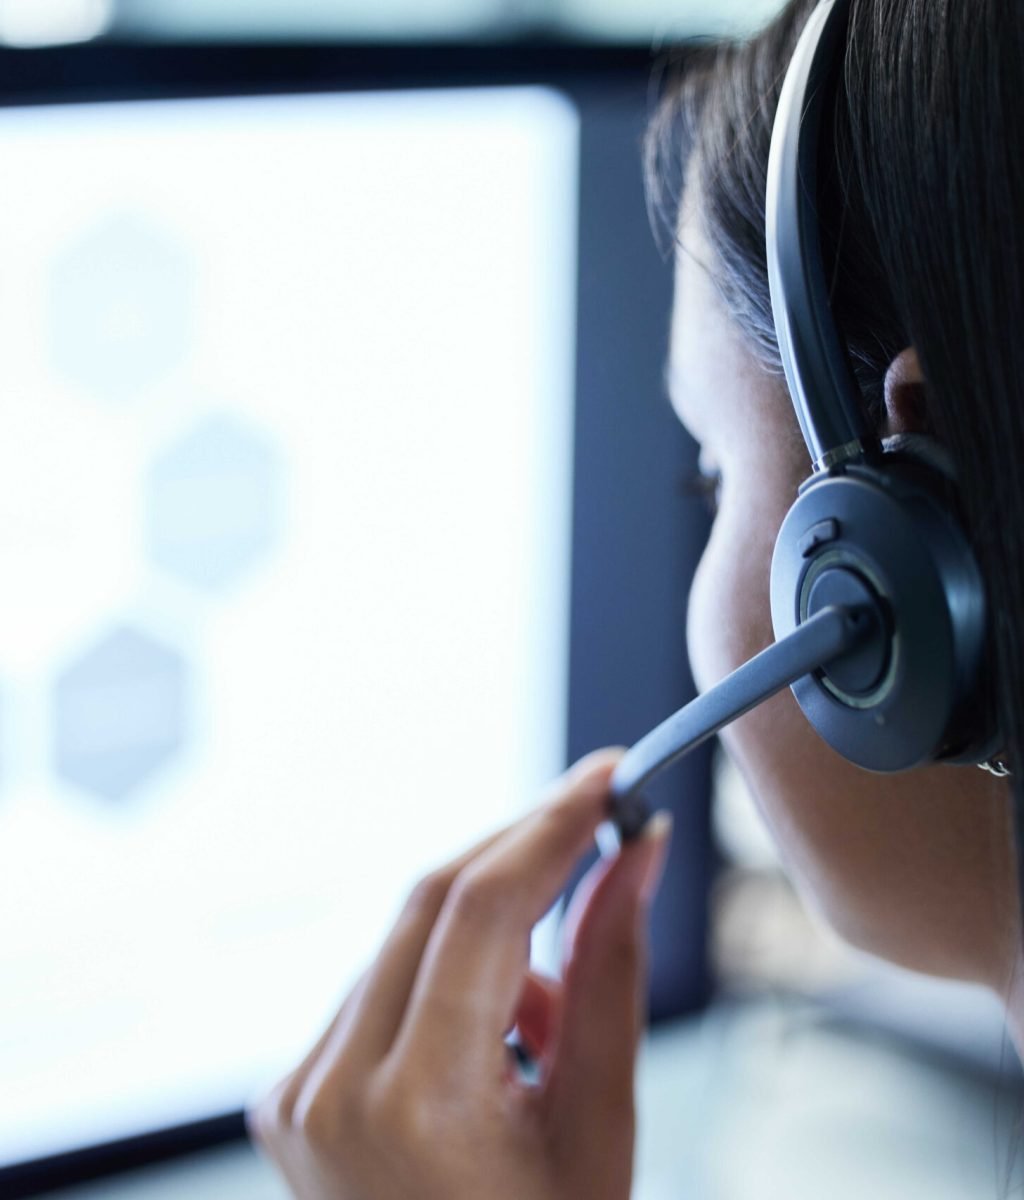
(120, 300)
(119, 713)
(214, 503)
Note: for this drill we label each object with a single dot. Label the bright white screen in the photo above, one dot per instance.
(285, 465)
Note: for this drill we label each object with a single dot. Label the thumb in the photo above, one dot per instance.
(590, 1089)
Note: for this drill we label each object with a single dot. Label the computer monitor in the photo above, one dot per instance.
(312, 550)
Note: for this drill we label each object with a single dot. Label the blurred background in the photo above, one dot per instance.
(27, 22)
(336, 476)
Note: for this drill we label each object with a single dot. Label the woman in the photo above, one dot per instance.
(409, 1093)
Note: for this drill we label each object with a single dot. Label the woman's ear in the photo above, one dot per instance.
(905, 407)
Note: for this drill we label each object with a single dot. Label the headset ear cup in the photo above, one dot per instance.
(881, 523)
(890, 528)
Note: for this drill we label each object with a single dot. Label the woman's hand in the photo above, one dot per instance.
(410, 1095)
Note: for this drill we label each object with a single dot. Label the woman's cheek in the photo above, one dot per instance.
(706, 634)
(728, 623)
(729, 612)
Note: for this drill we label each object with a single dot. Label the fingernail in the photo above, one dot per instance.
(609, 841)
(653, 844)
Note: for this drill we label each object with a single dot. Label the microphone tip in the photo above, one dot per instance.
(628, 815)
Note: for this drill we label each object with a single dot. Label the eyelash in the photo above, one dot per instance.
(707, 487)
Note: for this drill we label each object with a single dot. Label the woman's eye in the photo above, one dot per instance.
(706, 485)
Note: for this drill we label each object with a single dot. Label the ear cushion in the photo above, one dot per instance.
(924, 448)
(889, 526)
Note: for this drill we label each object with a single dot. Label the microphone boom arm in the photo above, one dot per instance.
(826, 636)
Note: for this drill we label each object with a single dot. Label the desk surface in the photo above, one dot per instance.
(764, 1100)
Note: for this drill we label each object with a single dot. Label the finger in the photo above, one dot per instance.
(275, 1109)
(478, 952)
(386, 993)
(363, 1033)
(580, 902)
(590, 1086)
(538, 1013)
(369, 1011)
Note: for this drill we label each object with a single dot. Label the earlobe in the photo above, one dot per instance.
(907, 426)
(906, 409)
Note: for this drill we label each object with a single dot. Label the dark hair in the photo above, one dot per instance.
(922, 211)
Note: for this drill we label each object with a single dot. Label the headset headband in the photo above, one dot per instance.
(878, 604)
(826, 398)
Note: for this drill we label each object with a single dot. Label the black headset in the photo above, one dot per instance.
(878, 605)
